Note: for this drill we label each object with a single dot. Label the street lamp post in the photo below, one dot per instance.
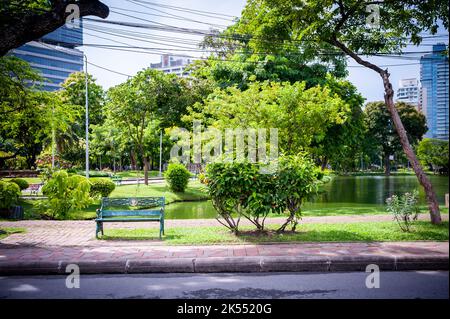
(160, 153)
(87, 117)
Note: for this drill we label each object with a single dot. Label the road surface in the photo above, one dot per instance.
(417, 284)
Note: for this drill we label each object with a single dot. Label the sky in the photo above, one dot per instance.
(129, 63)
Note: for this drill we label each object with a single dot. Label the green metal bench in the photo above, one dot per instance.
(140, 209)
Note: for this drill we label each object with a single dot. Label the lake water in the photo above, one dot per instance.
(366, 194)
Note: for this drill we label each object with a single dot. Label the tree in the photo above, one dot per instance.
(242, 69)
(74, 93)
(24, 21)
(343, 24)
(434, 154)
(17, 96)
(301, 115)
(381, 129)
(134, 104)
(342, 141)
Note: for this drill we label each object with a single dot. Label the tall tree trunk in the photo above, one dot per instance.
(133, 160)
(433, 205)
(324, 163)
(145, 170)
(387, 165)
(421, 176)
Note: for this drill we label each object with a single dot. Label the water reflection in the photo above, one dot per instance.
(367, 193)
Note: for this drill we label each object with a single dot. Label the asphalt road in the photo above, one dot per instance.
(417, 284)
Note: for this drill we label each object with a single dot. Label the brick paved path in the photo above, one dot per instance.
(73, 241)
(138, 252)
(82, 233)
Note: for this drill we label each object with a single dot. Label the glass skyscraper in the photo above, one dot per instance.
(54, 56)
(434, 99)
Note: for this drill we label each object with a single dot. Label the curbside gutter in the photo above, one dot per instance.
(230, 264)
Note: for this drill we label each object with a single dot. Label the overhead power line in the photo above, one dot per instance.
(210, 14)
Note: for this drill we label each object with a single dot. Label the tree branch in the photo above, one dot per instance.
(19, 30)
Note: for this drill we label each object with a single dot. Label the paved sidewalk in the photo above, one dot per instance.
(317, 257)
(82, 233)
(48, 246)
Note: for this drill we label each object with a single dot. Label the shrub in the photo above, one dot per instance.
(242, 190)
(404, 209)
(23, 184)
(65, 193)
(202, 178)
(94, 173)
(9, 194)
(177, 176)
(18, 162)
(101, 187)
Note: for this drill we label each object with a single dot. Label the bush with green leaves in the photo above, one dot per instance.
(177, 176)
(23, 184)
(240, 189)
(101, 187)
(65, 193)
(9, 194)
(404, 209)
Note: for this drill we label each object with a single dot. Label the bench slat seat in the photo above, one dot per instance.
(106, 220)
(152, 210)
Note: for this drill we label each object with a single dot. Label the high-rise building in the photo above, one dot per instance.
(434, 95)
(409, 91)
(173, 64)
(54, 56)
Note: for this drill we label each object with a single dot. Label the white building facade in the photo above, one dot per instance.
(173, 64)
(409, 91)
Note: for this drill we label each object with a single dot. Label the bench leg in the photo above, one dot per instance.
(98, 229)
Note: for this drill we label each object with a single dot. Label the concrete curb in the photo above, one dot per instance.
(230, 264)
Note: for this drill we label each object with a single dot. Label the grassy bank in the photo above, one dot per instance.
(195, 192)
(348, 232)
(5, 232)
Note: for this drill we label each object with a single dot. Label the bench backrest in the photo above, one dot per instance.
(133, 202)
(137, 206)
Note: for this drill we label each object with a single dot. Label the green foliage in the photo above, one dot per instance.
(240, 189)
(19, 162)
(9, 194)
(23, 184)
(177, 176)
(65, 193)
(434, 154)
(301, 115)
(22, 122)
(381, 131)
(74, 94)
(269, 24)
(101, 187)
(404, 209)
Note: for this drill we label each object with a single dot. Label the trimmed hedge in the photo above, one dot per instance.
(177, 176)
(101, 187)
(9, 194)
(23, 184)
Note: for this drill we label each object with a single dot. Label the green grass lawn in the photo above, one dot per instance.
(343, 209)
(348, 232)
(5, 232)
(195, 192)
(134, 174)
(30, 180)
